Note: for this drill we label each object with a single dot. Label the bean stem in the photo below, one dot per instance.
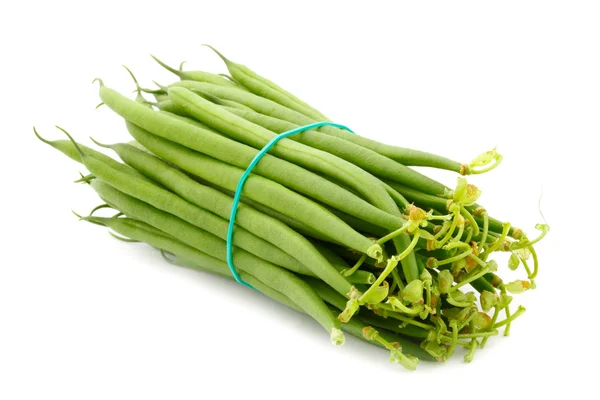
(392, 263)
(469, 280)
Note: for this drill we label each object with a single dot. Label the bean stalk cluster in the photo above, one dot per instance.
(331, 224)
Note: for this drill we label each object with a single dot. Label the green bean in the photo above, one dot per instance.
(199, 76)
(269, 90)
(256, 136)
(264, 106)
(169, 108)
(409, 264)
(363, 157)
(249, 219)
(265, 88)
(257, 188)
(277, 278)
(226, 150)
(171, 203)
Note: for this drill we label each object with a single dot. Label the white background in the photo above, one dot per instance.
(83, 316)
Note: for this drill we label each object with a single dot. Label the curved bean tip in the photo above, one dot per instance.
(138, 89)
(161, 87)
(40, 137)
(84, 178)
(131, 74)
(122, 238)
(169, 257)
(106, 146)
(229, 77)
(81, 153)
(99, 105)
(100, 81)
(225, 60)
(77, 215)
(101, 206)
(95, 220)
(167, 67)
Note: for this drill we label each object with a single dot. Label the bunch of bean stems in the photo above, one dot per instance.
(331, 223)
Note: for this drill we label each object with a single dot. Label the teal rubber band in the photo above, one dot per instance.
(242, 181)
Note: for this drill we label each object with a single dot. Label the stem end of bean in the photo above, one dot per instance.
(484, 162)
(375, 251)
(337, 337)
(351, 309)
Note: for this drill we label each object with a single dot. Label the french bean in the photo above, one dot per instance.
(262, 226)
(257, 188)
(171, 203)
(408, 177)
(237, 154)
(265, 88)
(256, 136)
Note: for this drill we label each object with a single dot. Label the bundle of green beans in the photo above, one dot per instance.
(331, 223)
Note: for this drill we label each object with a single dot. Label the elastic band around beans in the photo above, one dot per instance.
(242, 181)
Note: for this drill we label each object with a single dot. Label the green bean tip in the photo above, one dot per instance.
(106, 146)
(167, 67)
(131, 74)
(100, 81)
(225, 60)
(40, 137)
(84, 178)
(81, 153)
(77, 215)
(122, 238)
